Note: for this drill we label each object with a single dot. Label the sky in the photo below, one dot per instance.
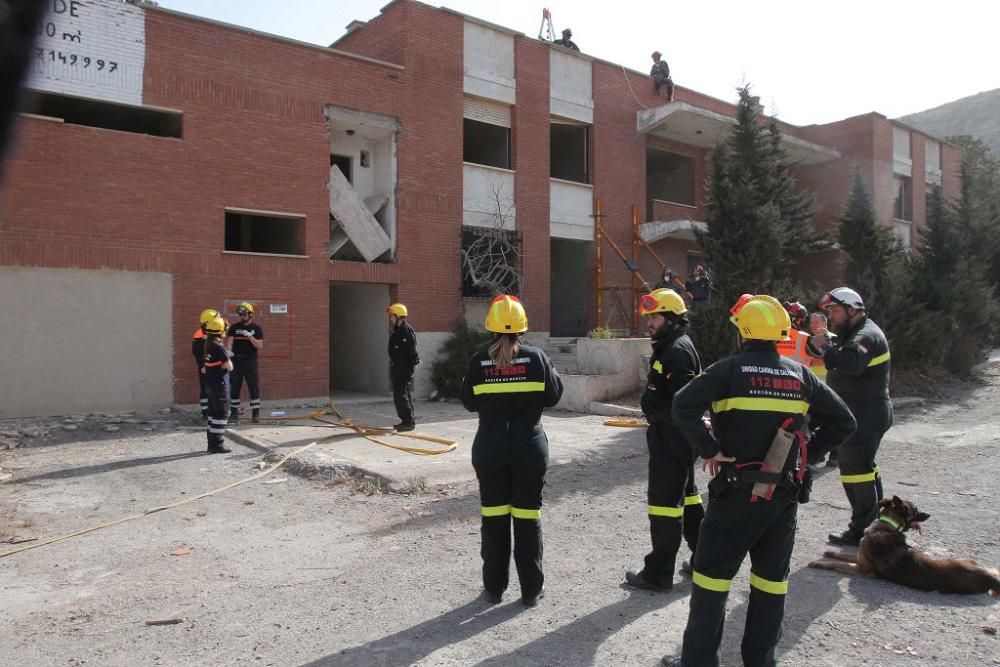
(809, 61)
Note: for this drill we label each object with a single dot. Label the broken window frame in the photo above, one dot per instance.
(576, 170)
(258, 219)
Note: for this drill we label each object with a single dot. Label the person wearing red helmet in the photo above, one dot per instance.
(857, 363)
(795, 346)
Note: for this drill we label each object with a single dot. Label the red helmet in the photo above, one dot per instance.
(796, 310)
(740, 303)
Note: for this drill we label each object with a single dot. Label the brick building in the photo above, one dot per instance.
(169, 163)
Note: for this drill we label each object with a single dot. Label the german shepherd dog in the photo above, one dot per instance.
(884, 553)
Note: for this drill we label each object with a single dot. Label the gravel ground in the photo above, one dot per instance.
(301, 572)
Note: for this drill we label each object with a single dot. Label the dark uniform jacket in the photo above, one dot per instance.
(510, 403)
(858, 363)
(403, 346)
(660, 70)
(198, 347)
(749, 395)
(241, 333)
(216, 375)
(673, 363)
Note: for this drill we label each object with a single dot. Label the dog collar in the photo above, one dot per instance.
(891, 522)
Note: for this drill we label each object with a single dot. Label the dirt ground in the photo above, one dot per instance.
(287, 571)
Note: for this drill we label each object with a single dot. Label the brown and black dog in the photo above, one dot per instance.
(884, 553)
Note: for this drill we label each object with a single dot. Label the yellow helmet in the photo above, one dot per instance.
(662, 300)
(506, 315)
(762, 318)
(247, 306)
(215, 326)
(208, 315)
(397, 309)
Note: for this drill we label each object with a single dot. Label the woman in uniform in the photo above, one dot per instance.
(509, 384)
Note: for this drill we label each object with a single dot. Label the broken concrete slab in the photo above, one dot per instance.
(354, 220)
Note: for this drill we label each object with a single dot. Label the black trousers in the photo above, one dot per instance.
(675, 508)
(244, 369)
(733, 527)
(511, 493)
(216, 398)
(202, 393)
(402, 391)
(859, 472)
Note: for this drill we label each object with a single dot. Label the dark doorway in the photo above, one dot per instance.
(569, 282)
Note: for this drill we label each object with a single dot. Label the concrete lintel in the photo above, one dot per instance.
(341, 116)
(670, 229)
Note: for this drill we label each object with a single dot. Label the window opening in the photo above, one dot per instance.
(106, 115)
(263, 233)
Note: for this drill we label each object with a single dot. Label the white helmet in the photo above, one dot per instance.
(843, 296)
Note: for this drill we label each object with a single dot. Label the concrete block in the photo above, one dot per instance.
(353, 216)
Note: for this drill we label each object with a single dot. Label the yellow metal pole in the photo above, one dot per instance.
(636, 283)
(599, 259)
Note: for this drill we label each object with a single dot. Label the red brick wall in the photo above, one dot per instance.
(531, 184)
(254, 137)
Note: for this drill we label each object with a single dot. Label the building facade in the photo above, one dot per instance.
(166, 164)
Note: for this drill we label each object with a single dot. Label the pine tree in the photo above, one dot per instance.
(757, 221)
(940, 252)
(868, 245)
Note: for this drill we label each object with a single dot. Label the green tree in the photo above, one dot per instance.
(757, 220)
(449, 366)
(867, 244)
(955, 267)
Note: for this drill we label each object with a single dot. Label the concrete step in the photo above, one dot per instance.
(561, 344)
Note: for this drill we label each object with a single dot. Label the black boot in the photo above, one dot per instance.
(532, 600)
(255, 415)
(639, 580)
(218, 449)
(404, 426)
(848, 538)
(234, 417)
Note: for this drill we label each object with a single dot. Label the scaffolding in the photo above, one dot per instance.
(612, 311)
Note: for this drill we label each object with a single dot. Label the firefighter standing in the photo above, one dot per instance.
(857, 365)
(674, 502)
(509, 384)
(215, 367)
(403, 358)
(245, 339)
(750, 396)
(198, 351)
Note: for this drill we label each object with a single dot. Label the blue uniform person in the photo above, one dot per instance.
(198, 351)
(509, 384)
(245, 339)
(215, 367)
(758, 401)
(857, 363)
(674, 504)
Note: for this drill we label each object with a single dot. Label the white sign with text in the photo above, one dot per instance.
(90, 48)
